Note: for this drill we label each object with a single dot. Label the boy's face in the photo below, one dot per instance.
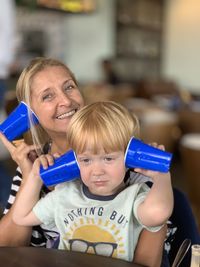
(102, 173)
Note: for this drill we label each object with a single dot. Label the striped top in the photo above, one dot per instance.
(41, 237)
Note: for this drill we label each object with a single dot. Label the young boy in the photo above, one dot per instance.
(98, 213)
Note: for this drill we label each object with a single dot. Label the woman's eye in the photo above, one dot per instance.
(47, 97)
(69, 88)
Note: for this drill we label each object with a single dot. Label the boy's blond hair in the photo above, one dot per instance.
(107, 124)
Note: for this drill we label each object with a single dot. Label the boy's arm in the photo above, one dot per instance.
(27, 198)
(158, 203)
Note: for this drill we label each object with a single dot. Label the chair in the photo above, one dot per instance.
(189, 121)
(190, 155)
(161, 127)
(183, 219)
(148, 88)
(182, 226)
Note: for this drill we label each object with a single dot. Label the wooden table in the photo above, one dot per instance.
(41, 257)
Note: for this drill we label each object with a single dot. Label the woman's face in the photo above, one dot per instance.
(55, 98)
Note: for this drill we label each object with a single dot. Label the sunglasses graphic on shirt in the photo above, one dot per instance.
(100, 248)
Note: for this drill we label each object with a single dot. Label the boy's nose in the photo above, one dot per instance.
(98, 169)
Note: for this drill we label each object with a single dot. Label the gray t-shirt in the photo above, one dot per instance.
(105, 225)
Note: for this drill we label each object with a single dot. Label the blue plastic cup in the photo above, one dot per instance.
(141, 155)
(64, 169)
(18, 122)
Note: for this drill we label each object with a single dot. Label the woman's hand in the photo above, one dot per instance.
(24, 155)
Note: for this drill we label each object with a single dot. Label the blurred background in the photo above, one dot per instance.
(143, 54)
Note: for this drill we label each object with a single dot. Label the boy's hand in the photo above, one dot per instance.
(154, 175)
(45, 161)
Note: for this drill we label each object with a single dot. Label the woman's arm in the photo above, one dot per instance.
(10, 233)
(149, 248)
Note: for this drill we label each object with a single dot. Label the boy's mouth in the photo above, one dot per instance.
(100, 183)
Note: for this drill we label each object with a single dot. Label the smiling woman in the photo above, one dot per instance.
(55, 92)
(50, 89)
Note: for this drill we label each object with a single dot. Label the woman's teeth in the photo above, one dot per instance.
(65, 115)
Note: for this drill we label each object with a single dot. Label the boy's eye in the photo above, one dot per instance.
(85, 160)
(108, 159)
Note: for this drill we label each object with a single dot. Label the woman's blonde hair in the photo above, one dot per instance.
(23, 92)
(102, 124)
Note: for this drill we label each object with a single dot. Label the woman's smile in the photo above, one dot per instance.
(66, 114)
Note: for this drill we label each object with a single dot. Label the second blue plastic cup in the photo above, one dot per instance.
(65, 168)
(141, 155)
(18, 122)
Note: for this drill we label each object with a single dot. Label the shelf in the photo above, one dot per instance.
(137, 56)
(135, 69)
(137, 25)
(138, 38)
